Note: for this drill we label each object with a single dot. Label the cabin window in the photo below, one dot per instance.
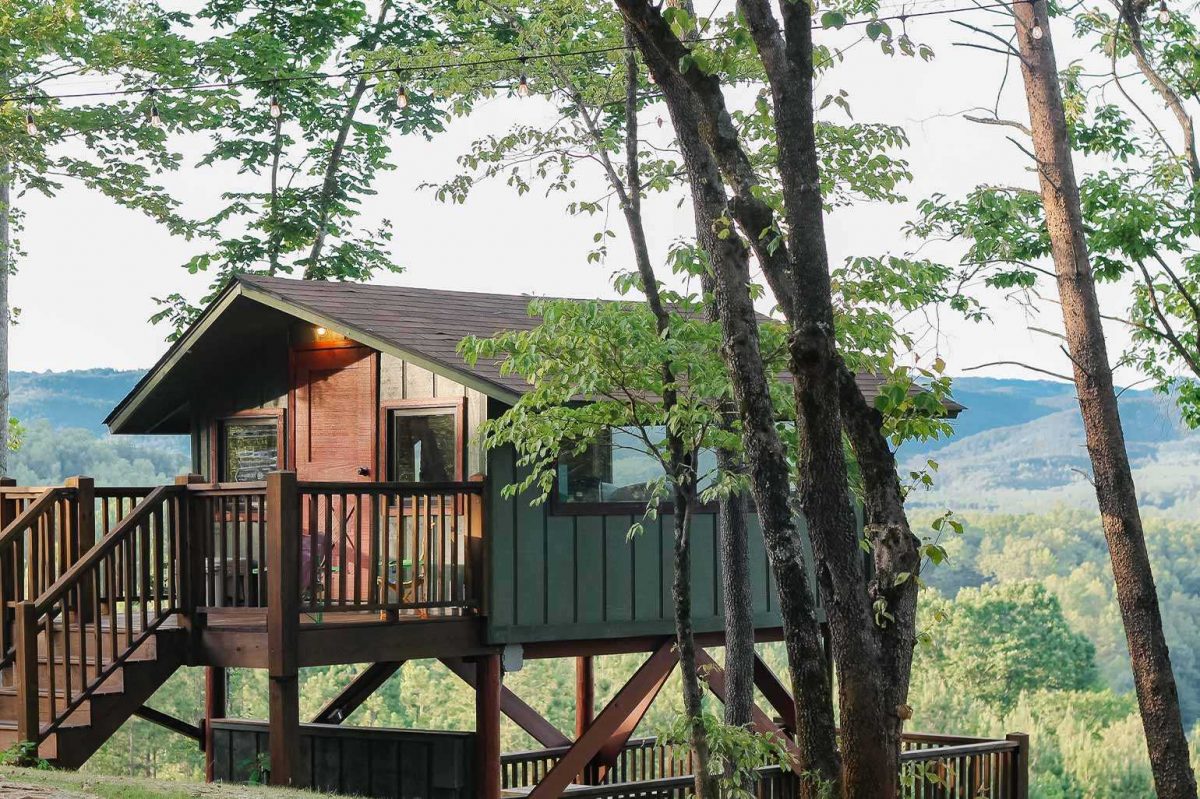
(249, 448)
(616, 468)
(425, 443)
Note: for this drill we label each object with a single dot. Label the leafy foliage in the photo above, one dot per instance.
(305, 173)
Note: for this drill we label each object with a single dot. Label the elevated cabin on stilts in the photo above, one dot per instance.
(341, 510)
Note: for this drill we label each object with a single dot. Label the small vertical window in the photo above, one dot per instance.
(249, 449)
(424, 445)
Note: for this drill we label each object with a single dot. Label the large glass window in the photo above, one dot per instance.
(617, 467)
(249, 448)
(424, 445)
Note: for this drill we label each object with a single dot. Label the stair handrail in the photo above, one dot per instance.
(9, 575)
(38, 615)
(105, 545)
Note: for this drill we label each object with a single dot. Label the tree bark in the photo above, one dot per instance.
(329, 182)
(735, 587)
(765, 457)
(5, 311)
(1136, 594)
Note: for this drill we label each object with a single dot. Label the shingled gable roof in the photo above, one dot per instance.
(421, 325)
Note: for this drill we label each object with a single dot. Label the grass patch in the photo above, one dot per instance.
(43, 784)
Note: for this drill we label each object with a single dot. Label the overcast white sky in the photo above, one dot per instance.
(85, 289)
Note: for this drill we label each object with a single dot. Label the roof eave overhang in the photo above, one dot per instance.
(315, 317)
(120, 415)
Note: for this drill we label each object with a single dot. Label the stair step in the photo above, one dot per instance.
(146, 651)
(114, 683)
(8, 738)
(80, 717)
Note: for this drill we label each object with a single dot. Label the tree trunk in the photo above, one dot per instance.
(735, 587)
(5, 313)
(765, 457)
(693, 691)
(1155, 683)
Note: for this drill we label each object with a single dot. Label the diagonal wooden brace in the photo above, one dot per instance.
(614, 724)
(514, 707)
(349, 699)
(775, 693)
(714, 676)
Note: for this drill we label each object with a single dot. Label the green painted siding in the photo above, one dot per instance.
(557, 577)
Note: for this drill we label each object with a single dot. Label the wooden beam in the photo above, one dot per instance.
(585, 693)
(283, 627)
(216, 692)
(487, 727)
(513, 706)
(774, 691)
(169, 722)
(536, 650)
(714, 676)
(351, 697)
(647, 681)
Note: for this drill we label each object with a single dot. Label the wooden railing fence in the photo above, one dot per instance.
(99, 611)
(931, 767)
(390, 547)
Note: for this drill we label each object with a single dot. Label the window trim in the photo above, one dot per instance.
(216, 444)
(438, 406)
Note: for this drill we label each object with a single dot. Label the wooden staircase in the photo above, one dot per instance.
(88, 628)
(127, 686)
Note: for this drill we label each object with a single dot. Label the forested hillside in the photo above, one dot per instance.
(1023, 631)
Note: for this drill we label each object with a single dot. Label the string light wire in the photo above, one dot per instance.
(522, 59)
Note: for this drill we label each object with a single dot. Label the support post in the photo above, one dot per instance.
(28, 720)
(487, 726)
(85, 514)
(283, 626)
(1020, 776)
(85, 533)
(585, 694)
(192, 559)
(216, 701)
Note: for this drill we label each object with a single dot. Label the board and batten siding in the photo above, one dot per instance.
(557, 577)
(401, 380)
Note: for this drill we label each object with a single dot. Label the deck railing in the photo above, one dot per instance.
(99, 612)
(931, 767)
(381, 547)
(390, 547)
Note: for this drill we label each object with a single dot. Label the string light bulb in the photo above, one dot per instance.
(1164, 14)
(523, 86)
(1037, 32)
(276, 109)
(30, 124)
(153, 117)
(402, 97)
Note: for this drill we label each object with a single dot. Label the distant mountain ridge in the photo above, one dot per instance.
(1018, 446)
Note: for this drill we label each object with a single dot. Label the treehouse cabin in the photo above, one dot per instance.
(341, 510)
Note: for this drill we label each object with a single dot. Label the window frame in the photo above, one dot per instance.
(432, 406)
(560, 507)
(216, 444)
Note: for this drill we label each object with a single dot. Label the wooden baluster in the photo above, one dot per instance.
(359, 593)
(144, 532)
(340, 512)
(237, 551)
(223, 544)
(313, 554)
